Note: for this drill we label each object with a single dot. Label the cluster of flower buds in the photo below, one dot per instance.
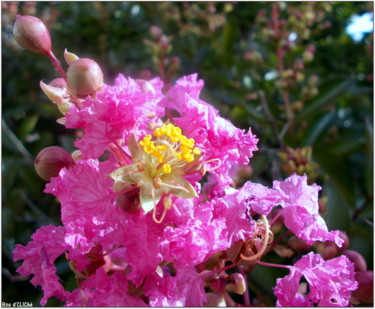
(160, 47)
(303, 18)
(310, 90)
(83, 78)
(364, 277)
(298, 161)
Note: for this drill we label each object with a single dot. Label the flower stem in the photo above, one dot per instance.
(57, 65)
(272, 264)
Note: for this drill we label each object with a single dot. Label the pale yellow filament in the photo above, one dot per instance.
(265, 243)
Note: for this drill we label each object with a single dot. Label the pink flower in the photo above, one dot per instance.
(216, 137)
(88, 208)
(184, 289)
(301, 210)
(101, 290)
(39, 256)
(141, 240)
(330, 282)
(258, 198)
(195, 241)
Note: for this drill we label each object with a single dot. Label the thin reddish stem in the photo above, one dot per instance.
(272, 265)
(246, 297)
(275, 218)
(57, 65)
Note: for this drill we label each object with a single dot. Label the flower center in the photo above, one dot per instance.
(167, 149)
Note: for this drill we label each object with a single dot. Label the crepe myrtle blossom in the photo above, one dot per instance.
(139, 226)
(330, 282)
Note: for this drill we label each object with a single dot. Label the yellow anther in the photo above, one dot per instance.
(188, 157)
(196, 151)
(161, 147)
(157, 132)
(167, 168)
(172, 135)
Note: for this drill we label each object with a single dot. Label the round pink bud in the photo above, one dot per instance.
(51, 160)
(85, 76)
(365, 291)
(31, 33)
(298, 244)
(156, 32)
(345, 244)
(329, 251)
(356, 258)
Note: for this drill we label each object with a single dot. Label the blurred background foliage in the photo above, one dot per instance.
(288, 70)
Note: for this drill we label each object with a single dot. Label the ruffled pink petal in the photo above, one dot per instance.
(301, 210)
(258, 198)
(141, 242)
(330, 282)
(216, 137)
(88, 208)
(186, 289)
(114, 113)
(286, 288)
(100, 290)
(193, 242)
(39, 256)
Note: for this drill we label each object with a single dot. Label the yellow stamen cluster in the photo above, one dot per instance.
(169, 141)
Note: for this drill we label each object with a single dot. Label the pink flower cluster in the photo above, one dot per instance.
(130, 258)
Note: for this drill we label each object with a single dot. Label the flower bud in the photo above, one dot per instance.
(84, 76)
(365, 292)
(239, 284)
(298, 244)
(31, 33)
(345, 244)
(329, 251)
(356, 258)
(51, 160)
(155, 32)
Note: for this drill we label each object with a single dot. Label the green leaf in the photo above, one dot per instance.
(319, 128)
(369, 171)
(337, 170)
(338, 209)
(28, 125)
(329, 93)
